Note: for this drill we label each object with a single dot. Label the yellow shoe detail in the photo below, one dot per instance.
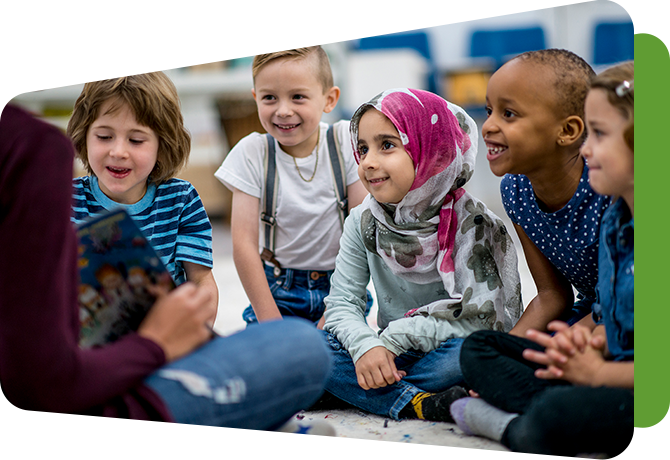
(416, 403)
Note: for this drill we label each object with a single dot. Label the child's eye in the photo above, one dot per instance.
(387, 145)
(508, 114)
(488, 111)
(103, 138)
(136, 141)
(268, 97)
(299, 97)
(362, 150)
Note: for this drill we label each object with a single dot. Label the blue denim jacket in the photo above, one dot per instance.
(614, 301)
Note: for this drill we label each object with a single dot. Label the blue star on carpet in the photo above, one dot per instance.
(276, 453)
(301, 434)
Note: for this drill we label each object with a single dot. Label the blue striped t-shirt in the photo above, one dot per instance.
(170, 215)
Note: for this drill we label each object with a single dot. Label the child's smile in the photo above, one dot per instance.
(494, 150)
(122, 153)
(118, 173)
(385, 168)
(286, 128)
(609, 158)
(522, 125)
(290, 100)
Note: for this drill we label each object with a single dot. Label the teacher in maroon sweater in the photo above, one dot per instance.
(148, 374)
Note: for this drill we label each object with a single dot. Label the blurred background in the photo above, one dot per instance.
(454, 60)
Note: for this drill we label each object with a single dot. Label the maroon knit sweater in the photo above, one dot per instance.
(41, 366)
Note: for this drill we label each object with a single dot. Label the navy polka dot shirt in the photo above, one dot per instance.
(567, 237)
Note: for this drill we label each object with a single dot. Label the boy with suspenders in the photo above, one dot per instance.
(292, 188)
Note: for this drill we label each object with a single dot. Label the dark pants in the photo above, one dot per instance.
(556, 417)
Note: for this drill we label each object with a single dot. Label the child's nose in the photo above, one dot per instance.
(284, 109)
(489, 126)
(585, 150)
(369, 161)
(118, 149)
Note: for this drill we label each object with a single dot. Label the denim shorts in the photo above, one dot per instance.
(298, 293)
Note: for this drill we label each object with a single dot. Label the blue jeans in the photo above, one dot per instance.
(255, 379)
(298, 293)
(432, 372)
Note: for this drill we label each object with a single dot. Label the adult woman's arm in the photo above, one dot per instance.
(41, 364)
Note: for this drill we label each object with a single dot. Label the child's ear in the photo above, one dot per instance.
(573, 128)
(332, 96)
(253, 93)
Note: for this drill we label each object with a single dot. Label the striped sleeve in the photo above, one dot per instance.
(181, 225)
(84, 205)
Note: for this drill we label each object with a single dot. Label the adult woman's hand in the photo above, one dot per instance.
(177, 322)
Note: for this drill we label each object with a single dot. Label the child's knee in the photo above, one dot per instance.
(478, 343)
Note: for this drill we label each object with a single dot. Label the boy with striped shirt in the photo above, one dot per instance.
(129, 133)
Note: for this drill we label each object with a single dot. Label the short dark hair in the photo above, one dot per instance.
(573, 77)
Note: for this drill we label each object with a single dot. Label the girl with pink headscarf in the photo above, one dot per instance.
(442, 264)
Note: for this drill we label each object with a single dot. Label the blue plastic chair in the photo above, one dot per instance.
(499, 45)
(417, 41)
(613, 42)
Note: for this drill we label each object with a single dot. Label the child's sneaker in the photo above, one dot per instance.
(433, 406)
(318, 427)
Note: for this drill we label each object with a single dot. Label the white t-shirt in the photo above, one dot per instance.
(308, 226)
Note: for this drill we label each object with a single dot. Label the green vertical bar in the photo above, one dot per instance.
(652, 221)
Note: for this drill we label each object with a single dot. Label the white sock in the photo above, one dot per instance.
(474, 416)
(296, 439)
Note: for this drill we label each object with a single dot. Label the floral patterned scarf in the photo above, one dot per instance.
(438, 231)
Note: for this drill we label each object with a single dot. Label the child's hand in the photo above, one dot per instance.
(572, 354)
(177, 322)
(580, 369)
(570, 339)
(567, 341)
(376, 369)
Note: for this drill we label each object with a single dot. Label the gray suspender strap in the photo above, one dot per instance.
(268, 214)
(272, 184)
(338, 174)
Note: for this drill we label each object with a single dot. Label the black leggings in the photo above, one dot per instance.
(556, 417)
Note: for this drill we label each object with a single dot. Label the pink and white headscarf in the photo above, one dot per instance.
(439, 231)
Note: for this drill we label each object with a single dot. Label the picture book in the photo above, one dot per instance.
(116, 265)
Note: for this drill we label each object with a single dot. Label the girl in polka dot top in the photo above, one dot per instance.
(572, 393)
(534, 130)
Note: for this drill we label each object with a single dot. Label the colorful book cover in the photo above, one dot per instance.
(116, 265)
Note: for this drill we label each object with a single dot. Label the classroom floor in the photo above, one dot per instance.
(354, 423)
(362, 436)
(347, 423)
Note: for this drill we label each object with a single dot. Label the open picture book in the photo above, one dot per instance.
(116, 265)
